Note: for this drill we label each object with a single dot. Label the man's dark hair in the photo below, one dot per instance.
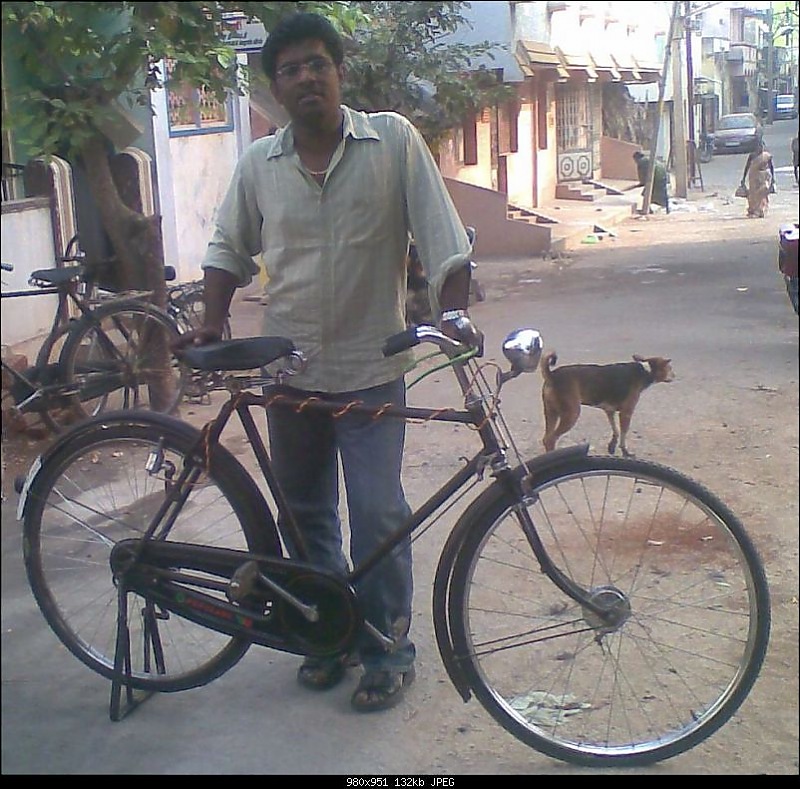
(296, 28)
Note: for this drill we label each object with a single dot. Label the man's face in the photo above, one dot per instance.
(307, 82)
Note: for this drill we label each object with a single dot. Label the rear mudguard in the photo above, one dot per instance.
(441, 585)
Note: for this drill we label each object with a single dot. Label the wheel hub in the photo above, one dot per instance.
(616, 609)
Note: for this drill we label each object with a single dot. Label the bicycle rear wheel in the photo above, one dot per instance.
(94, 490)
(189, 310)
(120, 357)
(689, 595)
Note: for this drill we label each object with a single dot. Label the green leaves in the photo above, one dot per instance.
(69, 61)
(403, 57)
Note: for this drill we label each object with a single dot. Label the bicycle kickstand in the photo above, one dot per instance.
(122, 664)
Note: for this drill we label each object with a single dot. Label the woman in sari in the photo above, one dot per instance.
(760, 175)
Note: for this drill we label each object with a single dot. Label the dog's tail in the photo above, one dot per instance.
(546, 365)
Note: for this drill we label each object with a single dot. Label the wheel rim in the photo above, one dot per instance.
(670, 666)
(119, 368)
(102, 495)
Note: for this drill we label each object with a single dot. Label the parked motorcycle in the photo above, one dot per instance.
(705, 151)
(418, 304)
(789, 240)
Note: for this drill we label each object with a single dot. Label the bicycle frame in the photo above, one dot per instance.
(491, 455)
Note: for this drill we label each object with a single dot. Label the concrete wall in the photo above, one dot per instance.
(617, 158)
(497, 235)
(203, 166)
(27, 243)
(520, 164)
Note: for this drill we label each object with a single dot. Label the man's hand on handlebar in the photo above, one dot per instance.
(461, 329)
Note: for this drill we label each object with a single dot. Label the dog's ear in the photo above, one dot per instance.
(637, 358)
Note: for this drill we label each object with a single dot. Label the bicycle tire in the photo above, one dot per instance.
(92, 490)
(189, 309)
(65, 414)
(694, 614)
(112, 354)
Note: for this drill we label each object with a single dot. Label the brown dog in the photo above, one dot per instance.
(612, 387)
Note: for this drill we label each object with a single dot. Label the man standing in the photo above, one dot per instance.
(330, 202)
(660, 179)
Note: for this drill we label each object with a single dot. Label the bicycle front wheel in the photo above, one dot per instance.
(93, 490)
(120, 357)
(679, 653)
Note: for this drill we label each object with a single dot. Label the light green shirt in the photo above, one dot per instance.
(336, 254)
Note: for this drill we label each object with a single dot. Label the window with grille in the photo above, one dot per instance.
(195, 110)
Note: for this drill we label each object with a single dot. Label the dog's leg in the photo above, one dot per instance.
(624, 424)
(612, 445)
(550, 422)
(566, 422)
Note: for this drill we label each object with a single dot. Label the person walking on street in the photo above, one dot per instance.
(796, 158)
(660, 194)
(330, 202)
(759, 172)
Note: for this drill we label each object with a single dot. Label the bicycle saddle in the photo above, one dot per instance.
(244, 354)
(56, 276)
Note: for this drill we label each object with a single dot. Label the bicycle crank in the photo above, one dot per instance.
(275, 602)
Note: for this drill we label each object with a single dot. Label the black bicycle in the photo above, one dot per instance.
(605, 611)
(105, 350)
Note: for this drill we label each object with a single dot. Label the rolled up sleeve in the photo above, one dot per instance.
(439, 233)
(237, 234)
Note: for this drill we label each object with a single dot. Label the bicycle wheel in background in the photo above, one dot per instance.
(187, 306)
(119, 356)
(63, 411)
(189, 309)
(93, 490)
(687, 638)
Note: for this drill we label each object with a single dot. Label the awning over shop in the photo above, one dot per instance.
(627, 68)
(648, 72)
(536, 58)
(578, 65)
(605, 66)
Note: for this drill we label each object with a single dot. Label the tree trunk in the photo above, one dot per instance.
(137, 245)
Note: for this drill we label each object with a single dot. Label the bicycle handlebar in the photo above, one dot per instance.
(414, 335)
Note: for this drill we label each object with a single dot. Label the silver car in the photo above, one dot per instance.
(738, 132)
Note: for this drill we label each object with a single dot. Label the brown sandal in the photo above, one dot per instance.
(323, 673)
(381, 690)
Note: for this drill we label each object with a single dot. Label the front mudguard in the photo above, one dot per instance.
(444, 572)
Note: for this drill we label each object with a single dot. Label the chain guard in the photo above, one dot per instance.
(177, 576)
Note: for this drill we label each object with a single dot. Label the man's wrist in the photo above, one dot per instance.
(451, 316)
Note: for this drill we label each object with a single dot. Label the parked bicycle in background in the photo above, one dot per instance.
(104, 350)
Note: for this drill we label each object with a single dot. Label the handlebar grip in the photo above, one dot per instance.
(401, 342)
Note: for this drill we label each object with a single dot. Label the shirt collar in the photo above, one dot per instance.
(356, 125)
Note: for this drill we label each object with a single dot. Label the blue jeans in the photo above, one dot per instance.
(305, 447)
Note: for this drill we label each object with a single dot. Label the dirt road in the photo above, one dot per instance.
(699, 286)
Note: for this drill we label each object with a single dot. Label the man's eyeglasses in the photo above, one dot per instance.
(316, 66)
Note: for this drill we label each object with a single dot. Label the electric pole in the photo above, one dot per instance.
(679, 118)
(662, 83)
(689, 25)
(770, 67)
